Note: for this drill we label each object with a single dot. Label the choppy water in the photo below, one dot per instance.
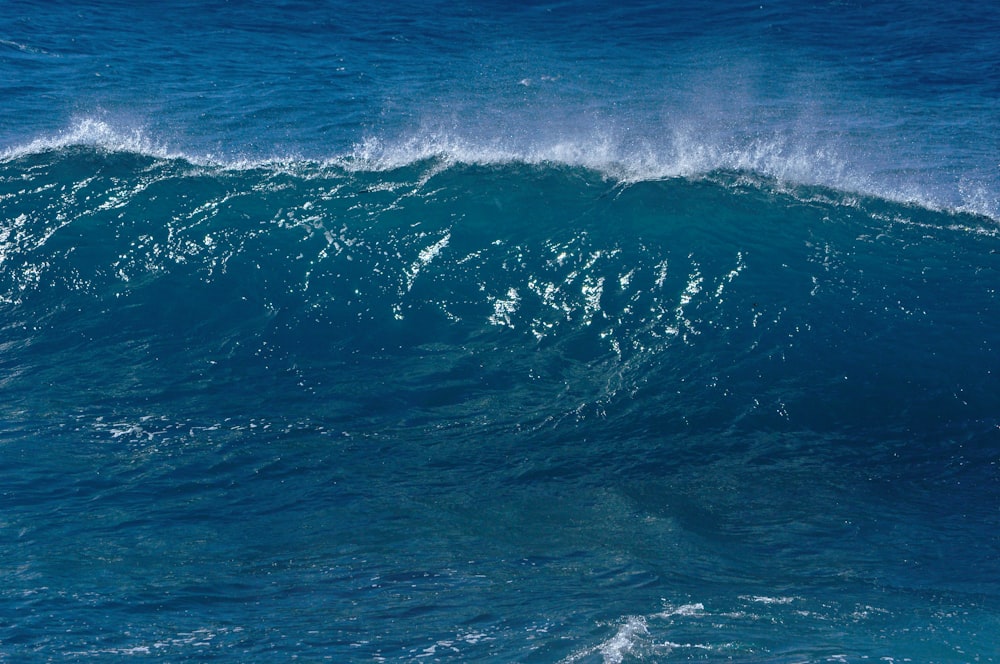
(537, 333)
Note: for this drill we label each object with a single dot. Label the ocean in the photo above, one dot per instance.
(578, 332)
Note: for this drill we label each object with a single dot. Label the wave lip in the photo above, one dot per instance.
(682, 153)
(91, 132)
(683, 156)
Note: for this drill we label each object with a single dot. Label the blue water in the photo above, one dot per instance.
(566, 332)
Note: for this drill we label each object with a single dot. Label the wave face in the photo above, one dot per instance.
(503, 411)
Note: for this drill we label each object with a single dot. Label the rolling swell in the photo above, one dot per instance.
(516, 327)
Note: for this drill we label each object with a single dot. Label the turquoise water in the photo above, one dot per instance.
(547, 334)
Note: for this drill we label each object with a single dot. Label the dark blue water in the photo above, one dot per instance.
(541, 333)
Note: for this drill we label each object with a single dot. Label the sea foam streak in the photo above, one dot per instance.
(682, 153)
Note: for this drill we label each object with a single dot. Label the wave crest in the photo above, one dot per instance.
(683, 152)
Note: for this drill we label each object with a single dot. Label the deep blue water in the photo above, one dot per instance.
(565, 332)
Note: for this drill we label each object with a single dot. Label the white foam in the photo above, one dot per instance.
(427, 254)
(124, 138)
(685, 610)
(625, 640)
(763, 599)
(504, 308)
(773, 157)
(635, 638)
(682, 153)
